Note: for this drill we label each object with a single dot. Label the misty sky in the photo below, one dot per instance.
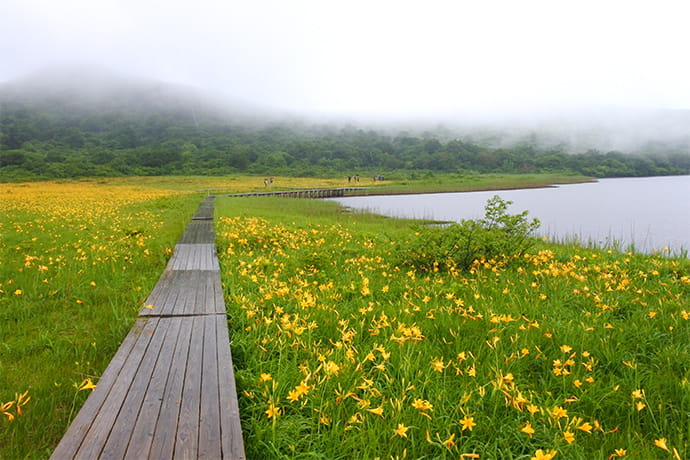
(372, 57)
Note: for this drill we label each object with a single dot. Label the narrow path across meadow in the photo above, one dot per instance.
(169, 391)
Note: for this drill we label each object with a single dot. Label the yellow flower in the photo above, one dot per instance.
(377, 410)
(272, 411)
(449, 442)
(22, 400)
(618, 453)
(87, 384)
(331, 368)
(438, 365)
(661, 444)
(532, 408)
(5, 410)
(638, 394)
(586, 427)
(264, 377)
(401, 430)
(467, 423)
(293, 395)
(18, 292)
(569, 436)
(528, 429)
(299, 391)
(559, 412)
(422, 404)
(639, 405)
(542, 455)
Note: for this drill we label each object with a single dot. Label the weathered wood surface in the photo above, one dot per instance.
(184, 293)
(169, 392)
(194, 257)
(308, 193)
(205, 211)
(198, 231)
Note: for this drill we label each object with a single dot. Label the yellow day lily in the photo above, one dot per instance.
(467, 423)
(86, 384)
(401, 430)
(527, 429)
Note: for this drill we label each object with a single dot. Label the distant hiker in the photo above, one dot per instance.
(349, 178)
(265, 182)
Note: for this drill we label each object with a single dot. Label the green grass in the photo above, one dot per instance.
(339, 353)
(75, 270)
(78, 258)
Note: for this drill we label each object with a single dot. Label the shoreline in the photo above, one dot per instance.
(483, 188)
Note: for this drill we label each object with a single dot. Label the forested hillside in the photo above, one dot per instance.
(72, 127)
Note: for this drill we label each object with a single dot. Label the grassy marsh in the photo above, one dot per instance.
(341, 353)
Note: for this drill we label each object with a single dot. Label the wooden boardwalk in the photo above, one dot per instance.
(169, 392)
(308, 193)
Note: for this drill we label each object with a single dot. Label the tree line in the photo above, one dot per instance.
(36, 142)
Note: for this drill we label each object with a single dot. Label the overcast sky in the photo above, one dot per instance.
(375, 56)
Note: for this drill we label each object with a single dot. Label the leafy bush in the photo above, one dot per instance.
(458, 245)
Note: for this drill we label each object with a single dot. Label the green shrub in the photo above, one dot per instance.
(458, 245)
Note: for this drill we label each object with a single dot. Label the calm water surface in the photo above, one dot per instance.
(649, 213)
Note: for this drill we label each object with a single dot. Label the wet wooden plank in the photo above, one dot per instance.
(144, 429)
(187, 435)
(218, 298)
(186, 293)
(121, 431)
(194, 257)
(205, 211)
(198, 232)
(209, 416)
(163, 444)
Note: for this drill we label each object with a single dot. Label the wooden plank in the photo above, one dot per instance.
(198, 231)
(161, 291)
(218, 299)
(194, 257)
(102, 423)
(187, 436)
(200, 303)
(182, 299)
(121, 431)
(163, 294)
(209, 415)
(231, 430)
(205, 258)
(144, 429)
(163, 444)
(74, 437)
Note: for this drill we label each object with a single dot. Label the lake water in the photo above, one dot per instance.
(649, 213)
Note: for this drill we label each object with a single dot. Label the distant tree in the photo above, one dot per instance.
(12, 158)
